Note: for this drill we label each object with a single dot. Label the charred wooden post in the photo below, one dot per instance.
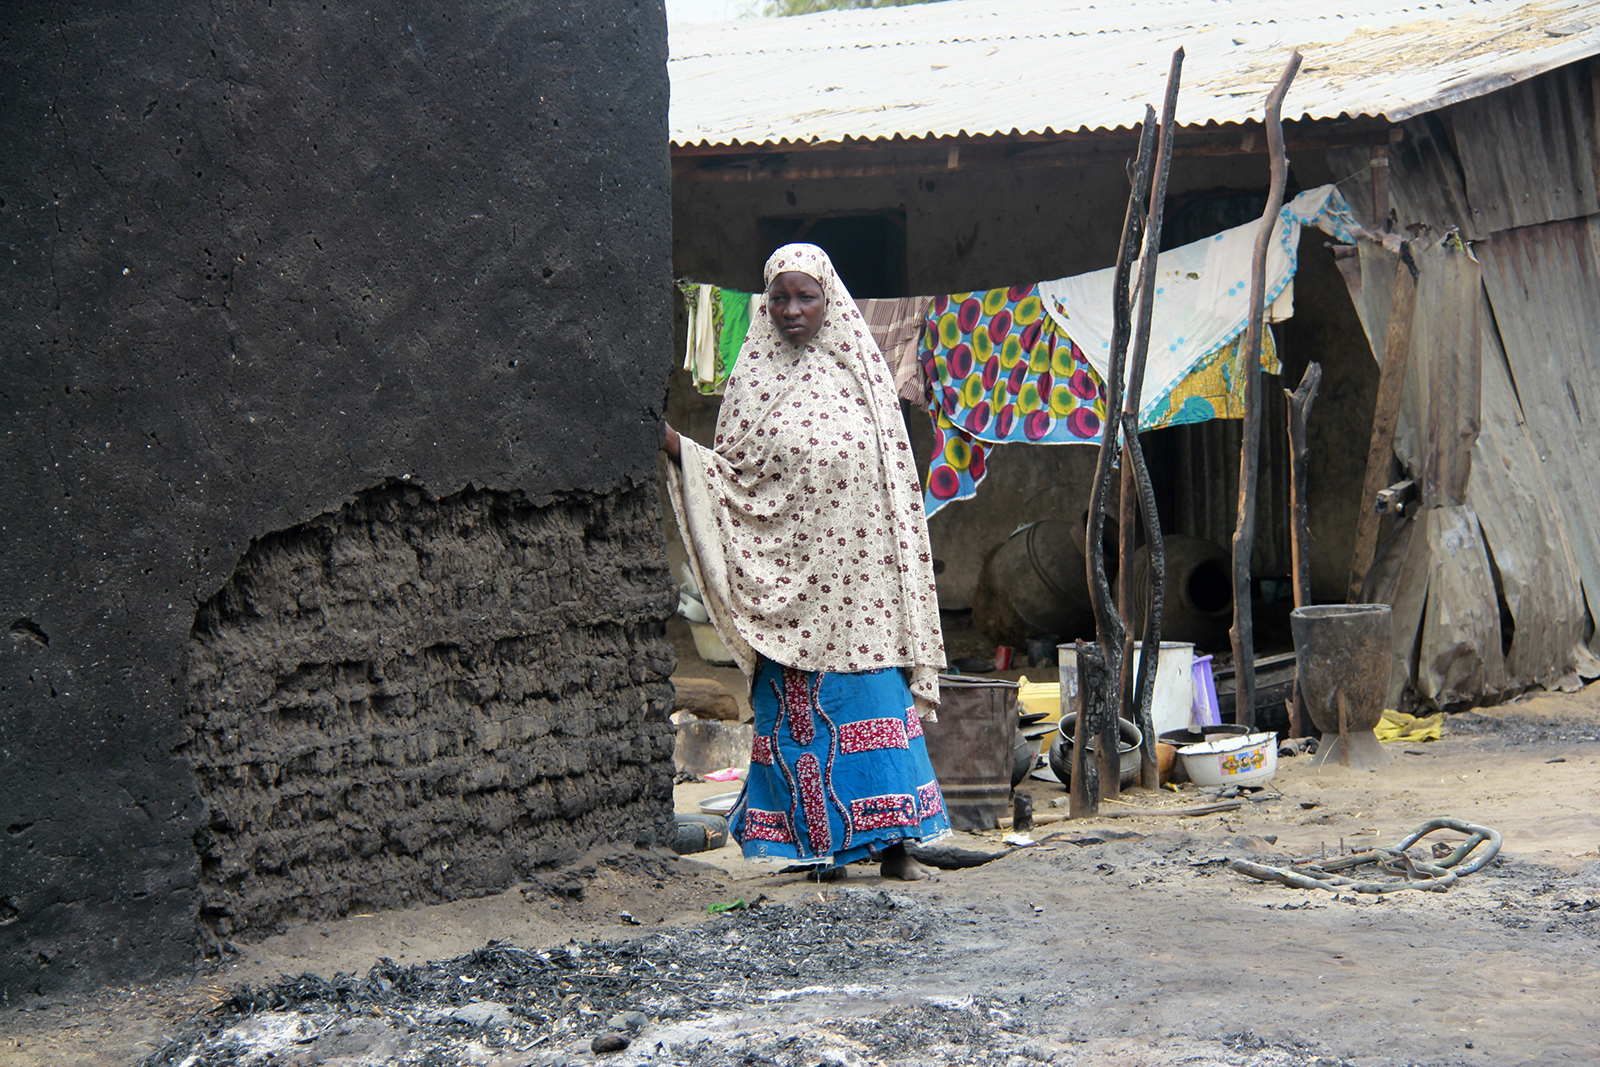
(1300, 401)
(1149, 770)
(1133, 702)
(1109, 624)
(1244, 532)
(1093, 691)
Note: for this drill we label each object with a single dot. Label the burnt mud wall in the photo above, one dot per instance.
(262, 262)
(412, 699)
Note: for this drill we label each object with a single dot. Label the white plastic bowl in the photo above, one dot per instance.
(1248, 760)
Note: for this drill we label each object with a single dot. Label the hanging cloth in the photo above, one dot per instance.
(1000, 370)
(985, 394)
(1202, 297)
(735, 324)
(703, 310)
(717, 322)
(896, 326)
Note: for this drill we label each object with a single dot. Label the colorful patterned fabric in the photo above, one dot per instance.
(1214, 389)
(839, 769)
(1000, 370)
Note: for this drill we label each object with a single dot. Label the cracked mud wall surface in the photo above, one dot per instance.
(416, 700)
(258, 260)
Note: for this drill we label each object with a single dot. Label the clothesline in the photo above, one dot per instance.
(1027, 363)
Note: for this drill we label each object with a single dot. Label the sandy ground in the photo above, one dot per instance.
(1121, 941)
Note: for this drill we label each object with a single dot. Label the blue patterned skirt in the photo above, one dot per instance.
(839, 769)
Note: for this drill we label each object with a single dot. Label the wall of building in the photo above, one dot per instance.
(985, 227)
(322, 318)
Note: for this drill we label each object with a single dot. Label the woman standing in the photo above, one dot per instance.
(805, 530)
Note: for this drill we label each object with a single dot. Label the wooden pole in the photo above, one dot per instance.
(1244, 531)
(1109, 624)
(1300, 401)
(1134, 701)
(1385, 416)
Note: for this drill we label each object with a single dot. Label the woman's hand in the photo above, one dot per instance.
(672, 446)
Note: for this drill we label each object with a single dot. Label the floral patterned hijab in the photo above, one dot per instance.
(804, 521)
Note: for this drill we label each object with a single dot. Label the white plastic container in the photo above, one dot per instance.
(1248, 760)
(709, 645)
(1172, 707)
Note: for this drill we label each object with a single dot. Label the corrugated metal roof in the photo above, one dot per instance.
(998, 67)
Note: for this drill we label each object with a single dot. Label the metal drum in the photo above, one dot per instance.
(972, 749)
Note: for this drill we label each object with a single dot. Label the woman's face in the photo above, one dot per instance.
(794, 301)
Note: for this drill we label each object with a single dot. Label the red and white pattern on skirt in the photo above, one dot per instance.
(913, 724)
(930, 801)
(814, 802)
(867, 735)
(796, 697)
(761, 749)
(762, 825)
(878, 813)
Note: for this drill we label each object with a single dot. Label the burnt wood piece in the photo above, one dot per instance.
(1275, 682)
(1133, 701)
(1094, 682)
(1149, 770)
(1385, 415)
(1110, 627)
(1244, 533)
(1300, 401)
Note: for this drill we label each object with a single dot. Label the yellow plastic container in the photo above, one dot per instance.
(1036, 697)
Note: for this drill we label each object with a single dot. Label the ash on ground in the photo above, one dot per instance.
(804, 984)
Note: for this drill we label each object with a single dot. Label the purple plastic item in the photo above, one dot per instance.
(1205, 711)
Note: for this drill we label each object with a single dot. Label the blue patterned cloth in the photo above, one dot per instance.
(839, 769)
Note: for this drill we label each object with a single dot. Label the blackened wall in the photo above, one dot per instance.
(261, 260)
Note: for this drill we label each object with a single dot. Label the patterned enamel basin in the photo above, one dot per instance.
(1248, 760)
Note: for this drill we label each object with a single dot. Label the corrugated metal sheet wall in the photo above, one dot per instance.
(1518, 173)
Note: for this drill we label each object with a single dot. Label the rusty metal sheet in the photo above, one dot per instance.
(1425, 186)
(1528, 152)
(1527, 543)
(1445, 357)
(1459, 660)
(1544, 285)
(1207, 454)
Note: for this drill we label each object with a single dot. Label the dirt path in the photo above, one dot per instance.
(1125, 941)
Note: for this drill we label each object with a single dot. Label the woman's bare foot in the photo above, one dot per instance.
(897, 863)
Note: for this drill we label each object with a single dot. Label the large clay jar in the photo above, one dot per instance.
(1343, 653)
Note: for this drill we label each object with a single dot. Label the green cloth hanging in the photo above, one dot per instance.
(735, 324)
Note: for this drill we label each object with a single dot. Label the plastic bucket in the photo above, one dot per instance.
(1173, 704)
